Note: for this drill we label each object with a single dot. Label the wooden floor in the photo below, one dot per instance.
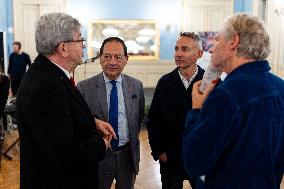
(148, 178)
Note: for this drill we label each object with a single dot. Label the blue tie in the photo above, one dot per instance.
(113, 113)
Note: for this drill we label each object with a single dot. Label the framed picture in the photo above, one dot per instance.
(207, 39)
(141, 37)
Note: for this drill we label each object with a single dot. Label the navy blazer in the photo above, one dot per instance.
(167, 114)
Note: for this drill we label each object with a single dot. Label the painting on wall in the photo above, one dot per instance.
(207, 39)
(207, 42)
(141, 37)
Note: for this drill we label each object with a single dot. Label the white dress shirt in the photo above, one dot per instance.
(186, 82)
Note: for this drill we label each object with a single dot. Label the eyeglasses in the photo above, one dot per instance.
(117, 57)
(83, 41)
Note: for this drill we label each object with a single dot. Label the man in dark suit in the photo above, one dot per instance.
(167, 114)
(122, 162)
(60, 143)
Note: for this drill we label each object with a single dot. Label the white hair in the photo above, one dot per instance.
(254, 39)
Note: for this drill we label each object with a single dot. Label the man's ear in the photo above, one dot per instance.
(126, 60)
(199, 54)
(62, 50)
(235, 40)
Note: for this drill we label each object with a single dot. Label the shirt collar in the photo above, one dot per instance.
(64, 70)
(107, 80)
(184, 80)
(255, 66)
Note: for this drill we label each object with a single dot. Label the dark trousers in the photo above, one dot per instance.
(173, 179)
(15, 84)
(117, 165)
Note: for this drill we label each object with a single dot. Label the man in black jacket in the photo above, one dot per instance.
(168, 111)
(60, 143)
(18, 62)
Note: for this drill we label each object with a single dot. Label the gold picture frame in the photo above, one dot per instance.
(141, 37)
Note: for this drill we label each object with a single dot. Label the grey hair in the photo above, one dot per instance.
(53, 28)
(254, 39)
(192, 36)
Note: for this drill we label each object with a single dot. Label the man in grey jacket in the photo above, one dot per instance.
(118, 99)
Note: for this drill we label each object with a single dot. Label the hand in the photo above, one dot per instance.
(107, 143)
(163, 157)
(105, 129)
(198, 97)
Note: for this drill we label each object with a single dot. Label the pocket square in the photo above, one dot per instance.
(134, 96)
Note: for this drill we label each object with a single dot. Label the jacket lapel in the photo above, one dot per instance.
(127, 94)
(101, 93)
(76, 93)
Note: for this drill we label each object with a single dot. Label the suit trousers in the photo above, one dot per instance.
(117, 165)
(173, 179)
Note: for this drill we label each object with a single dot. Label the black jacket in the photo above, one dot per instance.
(60, 147)
(4, 92)
(167, 115)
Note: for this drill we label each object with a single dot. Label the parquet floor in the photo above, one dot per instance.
(148, 178)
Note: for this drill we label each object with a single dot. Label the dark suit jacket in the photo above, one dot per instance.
(60, 147)
(167, 114)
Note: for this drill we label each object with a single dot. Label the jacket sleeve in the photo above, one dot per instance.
(155, 125)
(208, 132)
(53, 129)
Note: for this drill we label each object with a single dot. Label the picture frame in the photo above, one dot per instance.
(142, 37)
(207, 38)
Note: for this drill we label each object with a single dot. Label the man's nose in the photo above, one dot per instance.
(113, 60)
(211, 49)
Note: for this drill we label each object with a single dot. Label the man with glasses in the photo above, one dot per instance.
(169, 107)
(60, 140)
(118, 99)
